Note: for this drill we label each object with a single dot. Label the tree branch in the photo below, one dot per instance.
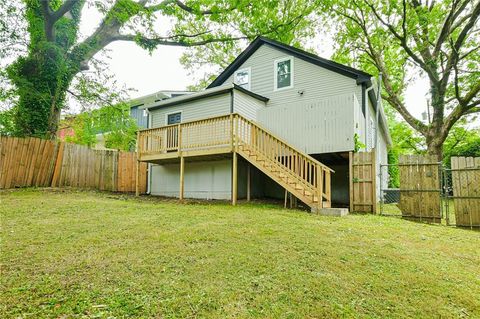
(66, 7)
(166, 41)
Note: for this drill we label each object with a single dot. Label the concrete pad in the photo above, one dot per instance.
(339, 212)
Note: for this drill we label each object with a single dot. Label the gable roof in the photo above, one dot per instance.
(360, 76)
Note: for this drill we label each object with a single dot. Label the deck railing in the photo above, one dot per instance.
(235, 132)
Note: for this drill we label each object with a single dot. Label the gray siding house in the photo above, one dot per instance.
(315, 105)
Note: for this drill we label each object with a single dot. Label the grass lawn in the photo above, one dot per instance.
(97, 255)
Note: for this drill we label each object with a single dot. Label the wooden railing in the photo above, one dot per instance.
(194, 135)
(233, 131)
(307, 171)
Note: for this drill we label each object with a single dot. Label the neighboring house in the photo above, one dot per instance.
(302, 109)
(137, 108)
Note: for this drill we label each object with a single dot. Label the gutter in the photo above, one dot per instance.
(367, 111)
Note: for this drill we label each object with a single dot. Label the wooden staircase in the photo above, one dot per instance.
(300, 174)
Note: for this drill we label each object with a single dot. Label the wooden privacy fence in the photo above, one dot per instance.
(465, 182)
(420, 187)
(363, 197)
(32, 161)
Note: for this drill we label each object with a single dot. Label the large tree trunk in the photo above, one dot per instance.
(42, 81)
(435, 142)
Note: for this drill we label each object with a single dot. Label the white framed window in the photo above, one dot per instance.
(283, 73)
(242, 78)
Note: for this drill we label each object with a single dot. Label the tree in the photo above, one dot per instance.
(291, 22)
(56, 54)
(438, 39)
(114, 122)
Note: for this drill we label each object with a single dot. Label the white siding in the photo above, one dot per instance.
(321, 126)
(205, 180)
(194, 110)
(246, 105)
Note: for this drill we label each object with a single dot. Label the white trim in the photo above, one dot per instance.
(174, 112)
(249, 70)
(292, 74)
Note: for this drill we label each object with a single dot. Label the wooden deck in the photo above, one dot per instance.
(297, 172)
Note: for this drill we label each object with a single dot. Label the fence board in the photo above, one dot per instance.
(35, 162)
(466, 190)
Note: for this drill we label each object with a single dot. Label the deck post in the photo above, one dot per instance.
(182, 177)
(319, 187)
(234, 178)
(248, 182)
(179, 139)
(328, 189)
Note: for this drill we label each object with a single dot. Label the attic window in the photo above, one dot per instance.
(283, 73)
(242, 78)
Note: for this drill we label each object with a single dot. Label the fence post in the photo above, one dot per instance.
(374, 180)
(350, 177)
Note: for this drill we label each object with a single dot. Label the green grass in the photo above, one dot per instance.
(96, 255)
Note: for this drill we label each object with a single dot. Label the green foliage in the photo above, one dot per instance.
(358, 145)
(114, 122)
(7, 126)
(461, 142)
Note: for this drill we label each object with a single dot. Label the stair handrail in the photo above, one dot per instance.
(285, 143)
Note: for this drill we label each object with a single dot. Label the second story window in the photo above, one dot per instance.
(242, 78)
(283, 73)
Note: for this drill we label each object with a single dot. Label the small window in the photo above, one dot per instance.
(242, 78)
(174, 118)
(283, 73)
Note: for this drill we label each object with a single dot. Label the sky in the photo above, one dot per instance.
(148, 73)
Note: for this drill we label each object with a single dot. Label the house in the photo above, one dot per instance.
(137, 105)
(277, 120)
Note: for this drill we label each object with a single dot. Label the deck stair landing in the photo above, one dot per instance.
(297, 172)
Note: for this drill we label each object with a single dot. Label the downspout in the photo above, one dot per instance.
(377, 113)
(149, 175)
(367, 114)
